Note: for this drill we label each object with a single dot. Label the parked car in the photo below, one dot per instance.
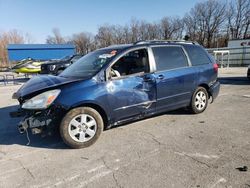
(28, 66)
(57, 66)
(118, 84)
(248, 72)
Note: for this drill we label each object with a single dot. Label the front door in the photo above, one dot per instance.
(131, 86)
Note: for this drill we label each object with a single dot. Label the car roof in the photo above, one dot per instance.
(150, 43)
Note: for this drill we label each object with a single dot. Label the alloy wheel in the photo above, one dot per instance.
(82, 128)
(200, 100)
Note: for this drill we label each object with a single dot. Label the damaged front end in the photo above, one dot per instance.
(40, 113)
(41, 110)
(37, 123)
(44, 121)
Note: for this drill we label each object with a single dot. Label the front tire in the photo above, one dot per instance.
(199, 100)
(81, 127)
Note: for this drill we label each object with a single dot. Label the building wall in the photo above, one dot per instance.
(17, 52)
(238, 43)
(237, 56)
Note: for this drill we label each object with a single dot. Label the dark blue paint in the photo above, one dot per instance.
(127, 98)
(175, 87)
(41, 83)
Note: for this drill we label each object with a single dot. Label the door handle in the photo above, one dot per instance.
(160, 77)
(147, 79)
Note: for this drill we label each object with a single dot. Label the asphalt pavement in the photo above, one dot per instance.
(175, 149)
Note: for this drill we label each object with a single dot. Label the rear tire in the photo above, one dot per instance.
(81, 127)
(199, 100)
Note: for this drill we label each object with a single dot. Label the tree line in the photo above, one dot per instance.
(211, 23)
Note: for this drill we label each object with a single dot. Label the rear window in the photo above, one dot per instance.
(169, 57)
(197, 55)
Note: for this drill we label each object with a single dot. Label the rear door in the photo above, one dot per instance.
(201, 60)
(175, 78)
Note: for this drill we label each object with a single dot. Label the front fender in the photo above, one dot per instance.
(87, 93)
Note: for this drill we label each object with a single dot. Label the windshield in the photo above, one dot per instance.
(89, 64)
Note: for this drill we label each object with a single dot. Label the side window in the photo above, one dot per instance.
(131, 63)
(169, 57)
(197, 55)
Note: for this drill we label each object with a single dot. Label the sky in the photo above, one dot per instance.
(39, 17)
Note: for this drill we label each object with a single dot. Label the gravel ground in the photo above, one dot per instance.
(175, 149)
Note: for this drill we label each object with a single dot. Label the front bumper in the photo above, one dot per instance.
(45, 121)
(214, 90)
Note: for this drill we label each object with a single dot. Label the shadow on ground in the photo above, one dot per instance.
(234, 80)
(9, 134)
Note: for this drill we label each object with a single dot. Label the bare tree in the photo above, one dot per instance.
(104, 36)
(238, 15)
(84, 42)
(11, 37)
(134, 30)
(56, 38)
(205, 20)
(117, 33)
(211, 23)
(171, 28)
(29, 38)
(152, 31)
(126, 34)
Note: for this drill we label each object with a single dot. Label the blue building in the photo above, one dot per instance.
(18, 52)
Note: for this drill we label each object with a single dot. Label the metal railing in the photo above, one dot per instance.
(7, 78)
(232, 57)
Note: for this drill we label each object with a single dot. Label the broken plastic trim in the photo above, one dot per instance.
(23, 126)
(34, 123)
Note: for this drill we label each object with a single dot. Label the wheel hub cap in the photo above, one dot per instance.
(82, 128)
(200, 100)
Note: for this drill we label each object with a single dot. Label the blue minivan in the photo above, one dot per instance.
(116, 85)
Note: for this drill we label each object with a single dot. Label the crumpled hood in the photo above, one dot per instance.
(39, 83)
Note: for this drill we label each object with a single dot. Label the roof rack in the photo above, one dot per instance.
(163, 41)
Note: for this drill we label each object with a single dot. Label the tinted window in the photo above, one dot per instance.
(197, 55)
(169, 58)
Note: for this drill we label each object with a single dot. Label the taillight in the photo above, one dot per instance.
(215, 65)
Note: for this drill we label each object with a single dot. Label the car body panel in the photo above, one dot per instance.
(41, 83)
(214, 90)
(175, 87)
(129, 97)
(206, 74)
